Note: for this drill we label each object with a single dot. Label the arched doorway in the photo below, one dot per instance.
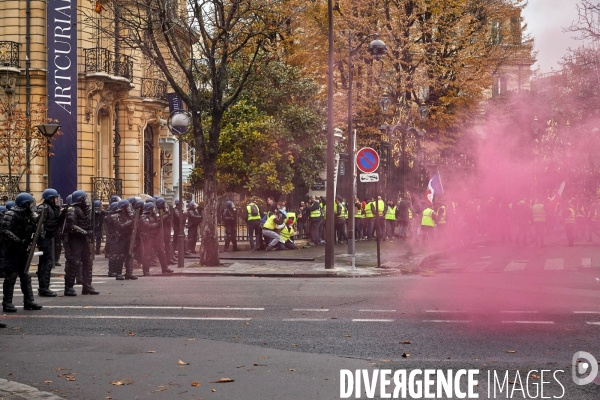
(149, 161)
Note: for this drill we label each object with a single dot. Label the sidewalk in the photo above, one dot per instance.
(10, 390)
(397, 257)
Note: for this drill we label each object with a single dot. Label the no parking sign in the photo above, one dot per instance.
(367, 160)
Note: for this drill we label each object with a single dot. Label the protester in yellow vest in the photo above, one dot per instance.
(428, 222)
(377, 208)
(569, 215)
(593, 218)
(271, 228)
(359, 215)
(539, 222)
(253, 225)
(370, 218)
(287, 235)
(340, 212)
(390, 221)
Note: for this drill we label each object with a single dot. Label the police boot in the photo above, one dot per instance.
(44, 282)
(78, 277)
(87, 283)
(129, 270)
(118, 269)
(111, 266)
(9, 288)
(69, 279)
(28, 301)
(164, 266)
(2, 325)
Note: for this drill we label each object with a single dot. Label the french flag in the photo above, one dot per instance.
(435, 187)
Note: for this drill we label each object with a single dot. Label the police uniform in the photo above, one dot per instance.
(153, 241)
(46, 240)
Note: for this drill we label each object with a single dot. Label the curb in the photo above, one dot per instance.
(19, 391)
(434, 256)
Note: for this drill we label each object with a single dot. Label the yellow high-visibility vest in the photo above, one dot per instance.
(539, 214)
(390, 215)
(427, 219)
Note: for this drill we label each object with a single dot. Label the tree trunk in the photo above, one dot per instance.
(209, 251)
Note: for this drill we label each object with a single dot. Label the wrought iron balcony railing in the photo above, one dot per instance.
(99, 59)
(9, 54)
(154, 88)
(103, 188)
(9, 188)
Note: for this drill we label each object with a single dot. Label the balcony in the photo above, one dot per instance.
(99, 60)
(103, 188)
(154, 89)
(9, 66)
(9, 54)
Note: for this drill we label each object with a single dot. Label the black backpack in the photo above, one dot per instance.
(253, 210)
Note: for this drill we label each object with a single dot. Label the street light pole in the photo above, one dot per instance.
(329, 222)
(178, 123)
(48, 130)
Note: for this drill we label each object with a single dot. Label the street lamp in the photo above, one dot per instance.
(48, 130)
(178, 123)
(377, 49)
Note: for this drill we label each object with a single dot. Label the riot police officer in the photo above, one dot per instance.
(79, 228)
(153, 241)
(99, 215)
(46, 240)
(124, 223)
(17, 228)
(2, 274)
(167, 221)
(194, 220)
(178, 220)
(111, 238)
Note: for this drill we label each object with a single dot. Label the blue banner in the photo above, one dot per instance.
(62, 91)
(175, 102)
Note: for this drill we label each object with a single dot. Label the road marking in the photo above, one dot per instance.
(304, 319)
(376, 310)
(159, 308)
(445, 320)
(516, 265)
(444, 311)
(527, 322)
(593, 323)
(132, 317)
(586, 262)
(372, 320)
(519, 312)
(554, 264)
(586, 312)
(311, 309)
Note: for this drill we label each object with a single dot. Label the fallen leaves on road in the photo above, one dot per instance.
(122, 382)
(71, 378)
(196, 384)
(292, 370)
(130, 333)
(405, 355)
(160, 389)
(347, 335)
(260, 365)
(511, 351)
(48, 382)
(191, 338)
(224, 380)
(534, 376)
(514, 383)
(183, 362)
(405, 342)
(63, 369)
(151, 351)
(386, 361)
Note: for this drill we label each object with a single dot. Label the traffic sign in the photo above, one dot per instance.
(373, 177)
(367, 160)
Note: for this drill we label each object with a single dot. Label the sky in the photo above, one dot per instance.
(545, 20)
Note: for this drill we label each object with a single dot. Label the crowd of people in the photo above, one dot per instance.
(147, 232)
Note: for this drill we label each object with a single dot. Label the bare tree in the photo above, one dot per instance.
(193, 42)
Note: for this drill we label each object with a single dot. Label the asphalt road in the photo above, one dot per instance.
(496, 308)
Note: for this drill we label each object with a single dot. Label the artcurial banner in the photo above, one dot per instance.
(62, 91)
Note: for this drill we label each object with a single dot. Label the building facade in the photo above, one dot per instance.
(112, 108)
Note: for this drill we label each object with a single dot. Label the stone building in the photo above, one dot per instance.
(112, 102)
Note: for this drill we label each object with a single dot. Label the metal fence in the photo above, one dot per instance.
(9, 188)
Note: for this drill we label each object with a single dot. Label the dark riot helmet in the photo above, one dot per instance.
(114, 199)
(70, 199)
(9, 204)
(79, 197)
(150, 200)
(123, 205)
(2, 209)
(113, 206)
(49, 194)
(138, 204)
(97, 203)
(149, 207)
(24, 200)
(160, 203)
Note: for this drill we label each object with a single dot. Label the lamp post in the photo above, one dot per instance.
(377, 49)
(178, 123)
(48, 130)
